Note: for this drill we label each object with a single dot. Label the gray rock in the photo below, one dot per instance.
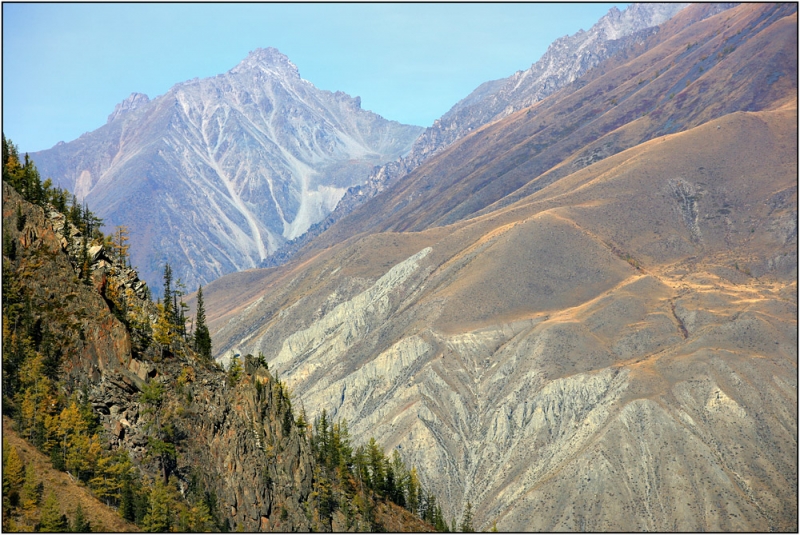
(279, 163)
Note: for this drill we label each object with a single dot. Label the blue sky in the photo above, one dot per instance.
(65, 66)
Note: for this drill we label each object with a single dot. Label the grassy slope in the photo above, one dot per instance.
(69, 492)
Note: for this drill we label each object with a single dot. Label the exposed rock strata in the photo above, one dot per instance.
(579, 359)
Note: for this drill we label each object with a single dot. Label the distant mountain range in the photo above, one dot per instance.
(581, 315)
(217, 173)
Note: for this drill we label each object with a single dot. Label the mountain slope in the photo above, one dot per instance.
(217, 173)
(686, 74)
(627, 337)
(566, 60)
(570, 340)
(105, 383)
(70, 494)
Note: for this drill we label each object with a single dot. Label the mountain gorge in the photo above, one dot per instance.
(581, 315)
(217, 173)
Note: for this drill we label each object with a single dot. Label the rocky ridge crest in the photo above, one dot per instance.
(217, 173)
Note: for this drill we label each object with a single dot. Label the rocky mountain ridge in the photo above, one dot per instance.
(217, 173)
(670, 81)
(181, 443)
(565, 60)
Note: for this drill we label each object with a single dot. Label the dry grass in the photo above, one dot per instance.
(69, 492)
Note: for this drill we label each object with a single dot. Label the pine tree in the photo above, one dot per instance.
(79, 522)
(234, 371)
(202, 338)
(29, 495)
(121, 237)
(412, 491)
(159, 516)
(376, 458)
(162, 329)
(169, 311)
(13, 471)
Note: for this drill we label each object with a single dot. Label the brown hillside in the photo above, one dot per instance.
(579, 317)
(69, 492)
(688, 73)
(524, 345)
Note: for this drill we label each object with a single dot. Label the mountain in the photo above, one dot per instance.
(679, 77)
(217, 173)
(565, 60)
(583, 315)
(106, 385)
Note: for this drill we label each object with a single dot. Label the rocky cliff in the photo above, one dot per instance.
(230, 441)
(217, 173)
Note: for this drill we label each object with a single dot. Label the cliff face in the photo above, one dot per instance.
(217, 173)
(227, 430)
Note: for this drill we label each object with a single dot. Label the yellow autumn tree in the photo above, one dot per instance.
(29, 497)
(37, 397)
(120, 239)
(163, 330)
(110, 473)
(13, 471)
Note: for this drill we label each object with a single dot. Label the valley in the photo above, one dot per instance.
(568, 305)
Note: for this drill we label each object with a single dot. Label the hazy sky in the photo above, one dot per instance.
(65, 66)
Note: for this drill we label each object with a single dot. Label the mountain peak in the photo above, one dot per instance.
(267, 58)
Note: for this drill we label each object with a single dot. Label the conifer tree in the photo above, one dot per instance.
(235, 371)
(159, 516)
(169, 311)
(79, 522)
(52, 520)
(202, 338)
(466, 520)
(30, 495)
(120, 239)
(13, 471)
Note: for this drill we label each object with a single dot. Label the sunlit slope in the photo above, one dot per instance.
(616, 351)
(691, 71)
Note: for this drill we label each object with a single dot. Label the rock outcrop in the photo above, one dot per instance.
(235, 438)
